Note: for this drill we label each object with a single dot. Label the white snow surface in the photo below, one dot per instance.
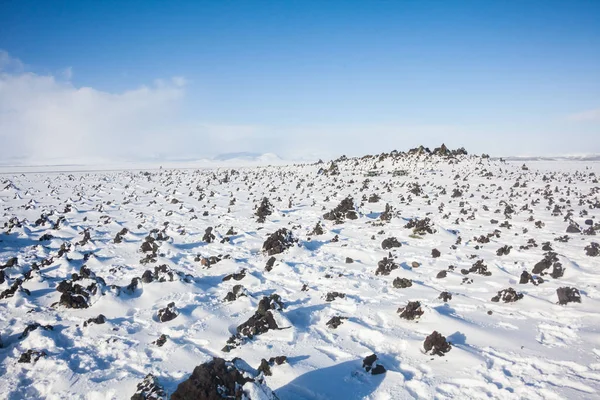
(532, 349)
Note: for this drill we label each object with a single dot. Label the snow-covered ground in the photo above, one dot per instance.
(532, 348)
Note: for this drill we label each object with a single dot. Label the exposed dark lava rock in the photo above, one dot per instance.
(259, 323)
(33, 327)
(568, 295)
(402, 283)
(387, 214)
(160, 342)
(436, 344)
(238, 276)
(370, 365)
(12, 262)
(120, 235)
(386, 266)
(168, 313)
(279, 241)
(331, 296)
(445, 296)
(411, 311)
(208, 237)
(100, 319)
(526, 277)
(349, 260)
(270, 264)
(441, 274)
(390, 243)
(593, 250)
(147, 276)
(336, 321)
(507, 295)
(149, 389)
(573, 228)
(10, 292)
(214, 380)
(264, 210)
(549, 260)
(420, 226)
(345, 210)
(237, 292)
(31, 356)
(478, 268)
(318, 230)
(74, 295)
(503, 251)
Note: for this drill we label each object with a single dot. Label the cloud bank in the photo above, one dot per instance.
(45, 118)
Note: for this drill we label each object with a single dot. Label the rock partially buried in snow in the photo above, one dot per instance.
(220, 379)
(568, 295)
(507, 295)
(149, 389)
(371, 365)
(168, 313)
(411, 311)
(436, 344)
(279, 241)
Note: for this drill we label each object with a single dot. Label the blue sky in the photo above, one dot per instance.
(300, 78)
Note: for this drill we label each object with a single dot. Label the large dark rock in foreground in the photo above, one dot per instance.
(219, 379)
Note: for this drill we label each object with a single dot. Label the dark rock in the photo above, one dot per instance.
(264, 210)
(445, 296)
(441, 274)
(31, 356)
(336, 321)
(237, 276)
(168, 313)
(370, 365)
(435, 253)
(593, 250)
(390, 243)
(259, 323)
(507, 295)
(237, 292)
(149, 389)
(279, 241)
(386, 266)
(568, 295)
(331, 296)
(147, 276)
(208, 237)
(411, 311)
(402, 283)
(270, 264)
(436, 344)
(345, 210)
(100, 319)
(420, 226)
(349, 260)
(160, 342)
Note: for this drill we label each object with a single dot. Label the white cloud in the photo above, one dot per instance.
(589, 115)
(43, 118)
